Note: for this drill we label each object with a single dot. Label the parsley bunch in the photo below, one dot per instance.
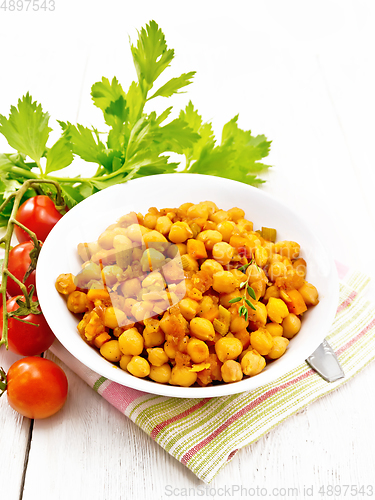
(136, 144)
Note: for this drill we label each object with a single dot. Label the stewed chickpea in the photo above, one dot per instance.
(189, 295)
(139, 367)
(231, 371)
(291, 325)
(161, 374)
(131, 342)
(228, 348)
(77, 302)
(183, 376)
(197, 350)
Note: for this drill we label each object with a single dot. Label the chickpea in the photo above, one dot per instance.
(188, 308)
(228, 348)
(279, 347)
(202, 329)
(181, 375)
(185, 206)
(211, 266)
(150, 220)
(139, 367)
(111, 351)
(261, 256)
(224, 282)
(246, 225)
(198, 211)
(222, 252)
(142, 310)
(114, 317)
(276, 310)
(153, 338)
(182, 249)
(77, 302)
(179, 232)
(170, 350)
(225, 298)
(105, 240)
(226, 229)
(231, 371)
(237, 322)
(197, 350)
(252, 363)
(111, 274)
(244, 337)
(260, 314)
(157, 356)
(219, 216)
(154, 237)
(86, 250)
(124, 361)
(151, 259)
(309, 294)
(163, 225)
(277, 270)
(236, 214)
(131, 342)
(135, 232)
(211, 206)
(254, 273)
(131, 287)
(291, 325)
(299, 265)
(161, 374)
(65, 284)
(122, 242)
(272, 291)
(274, 329)
(210, 238)
(239, 275)
(262, 341)
(288, 249)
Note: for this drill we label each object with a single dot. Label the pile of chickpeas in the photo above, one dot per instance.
(190, 295)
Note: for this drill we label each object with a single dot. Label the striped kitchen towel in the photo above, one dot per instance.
(205, 434)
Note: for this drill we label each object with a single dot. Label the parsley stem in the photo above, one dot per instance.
(25, 173)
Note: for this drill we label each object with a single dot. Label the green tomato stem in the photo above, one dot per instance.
(3, 381)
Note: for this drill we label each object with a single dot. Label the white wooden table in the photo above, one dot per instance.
(300, 72)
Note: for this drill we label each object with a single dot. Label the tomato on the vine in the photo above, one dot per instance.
(36, 387)
(24, 338)
(38, 214)
(18, 264)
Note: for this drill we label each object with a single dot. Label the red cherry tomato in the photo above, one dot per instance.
(36, 387)
(38, 214)
(25, 339)
(18, 264)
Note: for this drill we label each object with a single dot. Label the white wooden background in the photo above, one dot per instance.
(302, 73)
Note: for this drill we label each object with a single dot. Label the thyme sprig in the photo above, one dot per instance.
(242, 310)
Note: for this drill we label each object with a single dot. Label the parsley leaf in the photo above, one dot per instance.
(26, 129)
(235, 158)
(174, 85)
(83, 141)
(104, 93)
(59, 156)
(151, 56)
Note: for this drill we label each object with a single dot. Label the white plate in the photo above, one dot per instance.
(89, 218)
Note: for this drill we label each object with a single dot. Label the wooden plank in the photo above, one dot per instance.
(14, 440)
